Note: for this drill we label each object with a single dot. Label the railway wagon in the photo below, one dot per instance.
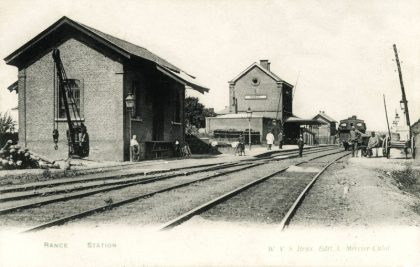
(344, 130)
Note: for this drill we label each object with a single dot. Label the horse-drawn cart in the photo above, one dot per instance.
(389, 142)
(408, 145)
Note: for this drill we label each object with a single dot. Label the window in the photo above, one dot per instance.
(74, 100)
(255, 81)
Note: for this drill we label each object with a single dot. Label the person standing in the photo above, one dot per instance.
(280, 137)
(355, 135)
(373, 143)
(240, 148)
(84, 141)
(134, 149)
(270, 140)
(177, 148)
(300, 144)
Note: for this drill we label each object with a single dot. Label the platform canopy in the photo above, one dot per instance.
(183, 78)
(300, 121)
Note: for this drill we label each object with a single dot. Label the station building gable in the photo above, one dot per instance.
(258, 88)
(266, 94)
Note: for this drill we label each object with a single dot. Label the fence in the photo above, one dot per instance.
(8, 136)
(326, 140)
(232, 136)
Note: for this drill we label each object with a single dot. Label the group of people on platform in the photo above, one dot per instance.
(355, 140)
(270, 139)
(240, 148)
(180, 150)
(280, 137)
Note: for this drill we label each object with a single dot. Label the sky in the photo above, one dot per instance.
(338, 53)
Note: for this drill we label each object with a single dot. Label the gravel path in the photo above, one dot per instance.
(355, 194)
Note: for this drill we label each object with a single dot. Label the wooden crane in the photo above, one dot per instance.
(77, 137)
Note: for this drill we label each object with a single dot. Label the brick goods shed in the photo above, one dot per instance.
(103, 70)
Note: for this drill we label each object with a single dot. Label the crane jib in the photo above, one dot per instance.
(76, 146)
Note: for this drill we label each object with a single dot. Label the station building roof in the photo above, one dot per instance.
(266, 71)
(325, 116)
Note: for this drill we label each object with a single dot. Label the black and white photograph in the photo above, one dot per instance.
(209, 133)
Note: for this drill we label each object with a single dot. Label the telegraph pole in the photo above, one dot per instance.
(404, 99)
(386, 116)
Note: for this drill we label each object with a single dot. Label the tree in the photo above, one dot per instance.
(7, 124)
(196, 113)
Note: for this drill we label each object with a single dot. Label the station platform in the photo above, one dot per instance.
(82, 167)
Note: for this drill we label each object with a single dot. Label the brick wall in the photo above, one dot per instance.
(267, 86)
(102, 102)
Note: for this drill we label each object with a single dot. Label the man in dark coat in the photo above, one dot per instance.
(280, 137)
(240, 149)
(84, 141)
(300, 144)
(355, 137)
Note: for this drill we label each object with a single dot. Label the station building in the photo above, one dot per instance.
(328, 130)
(415, 130)
(104, 70)
(270, 99)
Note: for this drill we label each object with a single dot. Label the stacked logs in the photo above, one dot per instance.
(15, 157)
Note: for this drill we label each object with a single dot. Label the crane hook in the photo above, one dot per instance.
(55, 138)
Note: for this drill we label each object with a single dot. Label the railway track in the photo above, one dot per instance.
(241, 202)
(239, 166)
(105, 176)
(108, 184)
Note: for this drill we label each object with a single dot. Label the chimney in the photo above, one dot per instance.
(265, 64)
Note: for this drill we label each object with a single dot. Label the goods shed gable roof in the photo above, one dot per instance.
(122, 47)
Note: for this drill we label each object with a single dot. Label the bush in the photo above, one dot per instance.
(4, 137)
(407, 177)
(7, 124)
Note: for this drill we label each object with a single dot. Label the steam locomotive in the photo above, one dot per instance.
(344, 129)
